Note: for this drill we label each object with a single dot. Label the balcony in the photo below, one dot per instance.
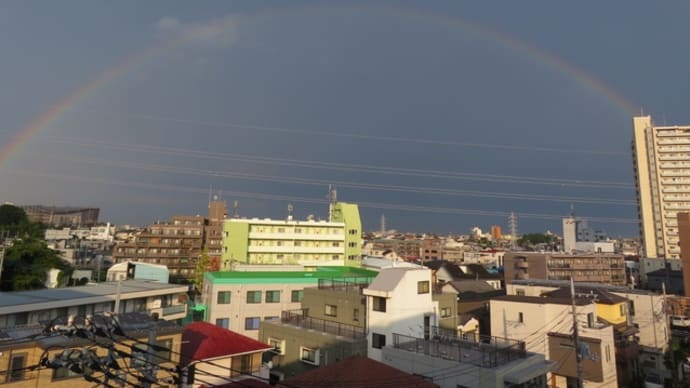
(173, 312)
(299, 318)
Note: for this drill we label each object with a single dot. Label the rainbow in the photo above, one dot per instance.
(586, 80)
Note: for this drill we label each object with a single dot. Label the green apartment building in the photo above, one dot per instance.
(310, 243)
(240, 301)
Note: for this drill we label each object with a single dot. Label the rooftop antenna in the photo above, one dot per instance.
(210, 194)
(572, 210)
(290, 209)
(383, 225)
(332, 194)
(236, 209)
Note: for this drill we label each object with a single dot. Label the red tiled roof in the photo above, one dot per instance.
(251, 383)
(357, 371)
(202, 340)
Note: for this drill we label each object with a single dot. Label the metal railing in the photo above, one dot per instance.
(481, 351)
(345, 285)
(175, 309)
(299, 318)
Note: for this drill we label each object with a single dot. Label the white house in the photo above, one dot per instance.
(399, 302)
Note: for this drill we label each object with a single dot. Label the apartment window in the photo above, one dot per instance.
(622, 309)
(445, 312)
(223, 297)
(378, 340)
(297, 243)
(520, 292)
(223, 322)
(273, 296)
(253, 296)
(277, 344)
(521, 317)
(252, 323)
(590, 320)
(631, 308)
(423, 287)
(331, 310)
(309, 355)
(17, 367)
(355, 315)
(379, 304)
(297, 296)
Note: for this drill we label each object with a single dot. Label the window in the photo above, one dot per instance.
(252, 323)
(378, 340)
(17, 367)
(445, 312)
(590, 320)
(379, 304)
(273, 296)
(355, 315)
(622, 309)
(277, 344)
(223, 322)
(331, 310)
(161, 353)
(521, 317)
(631, 308)
(423, 287)
(253, 296)
(223, 297)
(520, 292)
(309, 355)
(297, 296)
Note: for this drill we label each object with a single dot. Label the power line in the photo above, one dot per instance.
(277, 197)
(356, 185)
(362, 136)
(359, 168)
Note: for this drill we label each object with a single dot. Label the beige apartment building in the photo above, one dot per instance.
(662, 174)
(595, 268)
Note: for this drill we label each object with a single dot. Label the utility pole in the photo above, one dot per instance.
(576, 335)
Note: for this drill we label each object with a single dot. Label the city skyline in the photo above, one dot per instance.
(441, 116)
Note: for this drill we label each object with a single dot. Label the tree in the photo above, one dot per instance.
(202, 265)
(11, 217)
(26, 263)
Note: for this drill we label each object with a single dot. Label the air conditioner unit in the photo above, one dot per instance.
(276, 377)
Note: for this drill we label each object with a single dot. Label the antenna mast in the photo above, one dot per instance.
(576, 335)
(383, 225)
(236, 209)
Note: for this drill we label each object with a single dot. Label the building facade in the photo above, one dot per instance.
(684, 242)
(596, 268)
(662, 174)
(240, 301)
(62, 216)
(311, 243)
(544, 324)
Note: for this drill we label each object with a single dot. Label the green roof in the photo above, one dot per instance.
(240, 277)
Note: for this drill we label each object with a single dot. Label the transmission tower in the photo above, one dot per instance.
(512, 222)
(383, 225)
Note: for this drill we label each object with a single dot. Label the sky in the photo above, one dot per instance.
(439, 115)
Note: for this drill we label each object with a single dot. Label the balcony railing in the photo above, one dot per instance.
(175, 309)
(299, 318)
(354, 284)
(481, 351)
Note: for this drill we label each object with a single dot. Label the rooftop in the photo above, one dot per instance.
(599, 295)
(566, 283)
(73, 296)
(202, 340)
(236, 277)
(357, 371)
(542, 300)
(388, 279)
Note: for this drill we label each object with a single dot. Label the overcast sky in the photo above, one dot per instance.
(440, 115)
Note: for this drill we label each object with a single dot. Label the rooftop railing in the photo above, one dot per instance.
(349, 284)
(299, 318)
(481, 351)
